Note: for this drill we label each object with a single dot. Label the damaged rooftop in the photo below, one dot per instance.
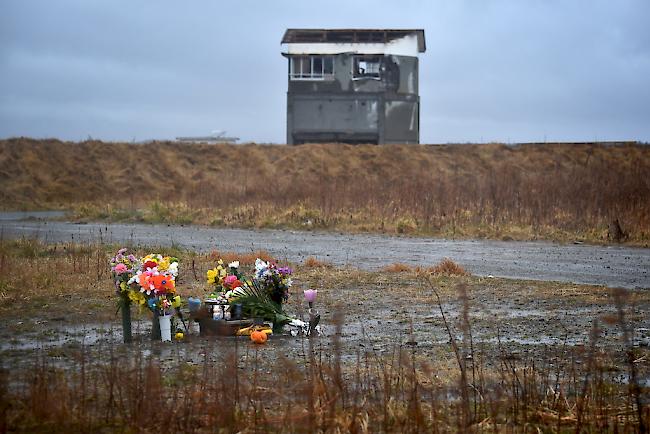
(372, 36)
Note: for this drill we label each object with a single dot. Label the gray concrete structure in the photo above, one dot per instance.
(353, 85)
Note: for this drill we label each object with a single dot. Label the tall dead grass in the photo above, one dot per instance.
(523, 192)
(565, 390)
(34, 276)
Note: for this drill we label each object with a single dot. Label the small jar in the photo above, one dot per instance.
(235, 311)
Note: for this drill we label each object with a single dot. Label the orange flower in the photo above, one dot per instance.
(143, 281)
(163, 284)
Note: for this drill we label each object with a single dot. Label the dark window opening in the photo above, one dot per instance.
(366, 67)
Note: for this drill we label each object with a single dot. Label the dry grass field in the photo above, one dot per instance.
(553, 191)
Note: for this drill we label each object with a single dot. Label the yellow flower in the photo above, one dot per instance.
(212, 275)
(176, 302)
(222, 272)
(163, 264)
(137, 297)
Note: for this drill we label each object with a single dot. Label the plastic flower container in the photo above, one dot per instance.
(165, 327)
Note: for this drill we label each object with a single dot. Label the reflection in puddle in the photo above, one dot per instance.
(84, 334)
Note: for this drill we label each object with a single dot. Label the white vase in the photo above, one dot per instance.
(165, 327)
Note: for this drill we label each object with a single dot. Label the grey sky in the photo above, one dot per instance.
(493, 71)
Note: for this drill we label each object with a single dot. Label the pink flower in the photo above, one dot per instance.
(229, 280)
(120, 268)
(310, 295)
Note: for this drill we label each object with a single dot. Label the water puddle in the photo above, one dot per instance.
(55, 335)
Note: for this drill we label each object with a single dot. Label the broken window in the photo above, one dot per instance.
(311, 67)
(366, 67)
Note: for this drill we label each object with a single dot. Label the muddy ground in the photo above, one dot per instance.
(381, 313)
(609, 265)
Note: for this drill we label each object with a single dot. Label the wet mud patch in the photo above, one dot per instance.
(367, 314)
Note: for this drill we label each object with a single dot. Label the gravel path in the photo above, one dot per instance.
(614, 266)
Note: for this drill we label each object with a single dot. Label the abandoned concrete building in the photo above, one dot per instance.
(353, 85)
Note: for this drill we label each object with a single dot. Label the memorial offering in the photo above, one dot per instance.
(123, 268)
(147, 282)
(246, 304)
(238, 303)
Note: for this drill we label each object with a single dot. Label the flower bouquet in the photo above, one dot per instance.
(224, 281)
(263, 295)
(274, 280)
(155, 285)
(146, 282)
(123, 268)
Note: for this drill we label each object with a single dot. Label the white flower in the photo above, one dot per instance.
(261, 268)
(259, 264)
(135, 278)
(173, 269)
(234, 264)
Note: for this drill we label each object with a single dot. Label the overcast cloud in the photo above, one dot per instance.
(555, 70)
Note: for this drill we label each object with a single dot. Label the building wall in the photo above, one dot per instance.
(361, 110)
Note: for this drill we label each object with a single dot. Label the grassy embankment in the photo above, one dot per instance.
(459, 388)
(556, 191)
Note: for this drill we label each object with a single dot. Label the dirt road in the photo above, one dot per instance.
(614, 266)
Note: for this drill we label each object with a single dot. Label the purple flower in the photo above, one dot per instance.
(285, 271)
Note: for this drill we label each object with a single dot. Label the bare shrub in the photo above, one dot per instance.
(397, 267)
(243, 258)
(447, 267)
(312, 262)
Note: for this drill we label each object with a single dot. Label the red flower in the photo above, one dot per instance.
(231, 282)
(149, 264)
